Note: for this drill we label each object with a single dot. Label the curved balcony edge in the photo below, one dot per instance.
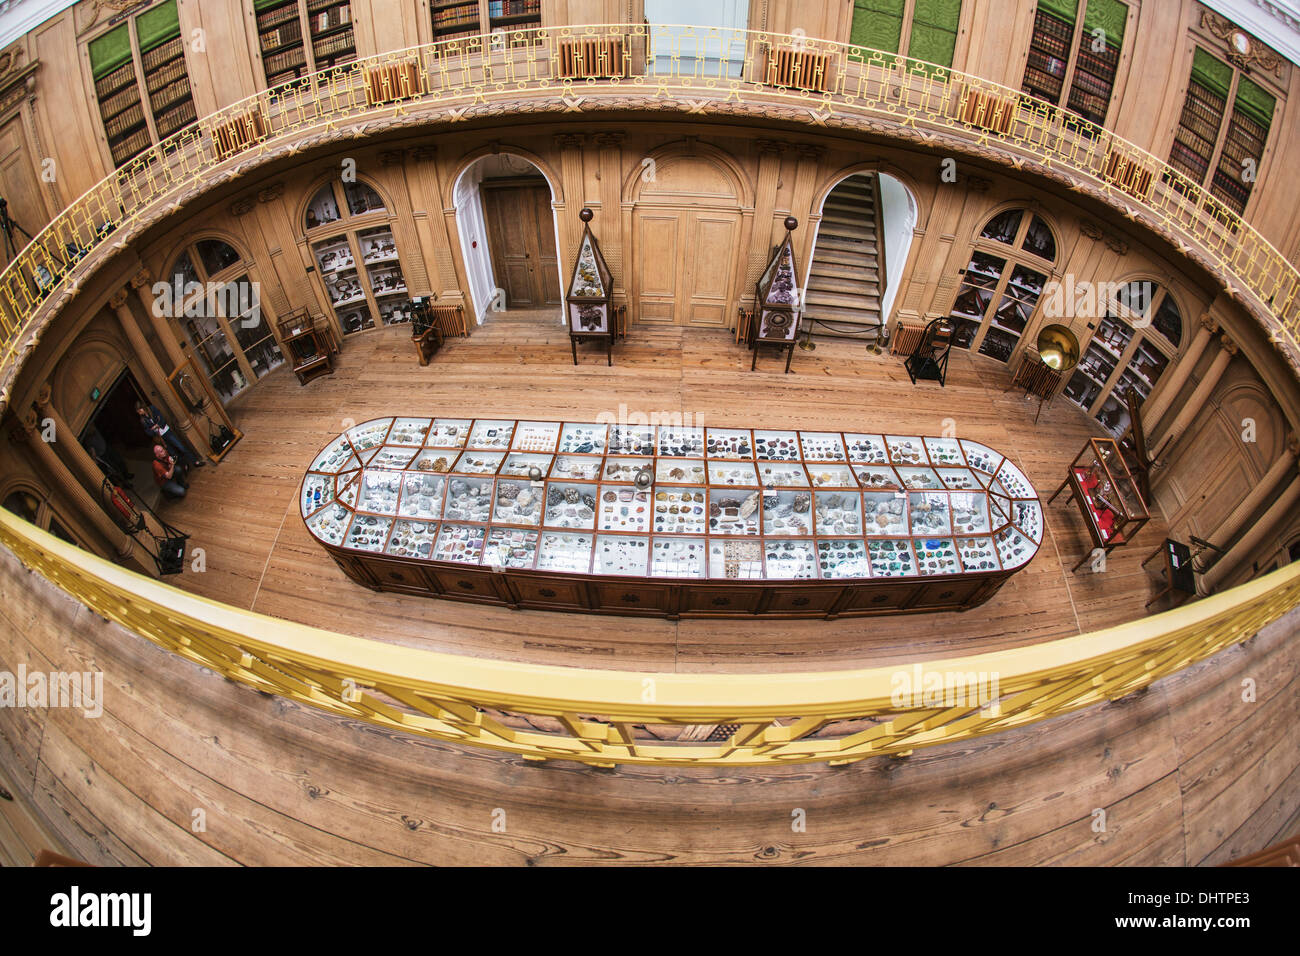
(599, 717)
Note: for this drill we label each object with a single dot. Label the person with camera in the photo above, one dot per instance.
(168, 473)
(156, 425)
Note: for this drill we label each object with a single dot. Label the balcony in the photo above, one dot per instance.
(675, 71)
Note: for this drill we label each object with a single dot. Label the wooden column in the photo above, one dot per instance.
(1178, 375)
(87, 508)
(1283, 509)
(1187, 414)
(610, 222)
(161, 326)
(1266, 488)
(157, 377)
(570, 146)
(73, 454)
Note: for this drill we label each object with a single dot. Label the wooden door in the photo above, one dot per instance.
(685, 265)
(713, 237)
(521, 239)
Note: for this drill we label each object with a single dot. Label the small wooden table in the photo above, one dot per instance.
(1177, 572)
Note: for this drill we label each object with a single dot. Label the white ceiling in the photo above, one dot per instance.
(19, 16)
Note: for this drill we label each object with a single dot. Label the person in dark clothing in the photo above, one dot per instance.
(168, 473)
(156, 425)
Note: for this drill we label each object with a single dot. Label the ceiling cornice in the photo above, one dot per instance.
(1275, 22)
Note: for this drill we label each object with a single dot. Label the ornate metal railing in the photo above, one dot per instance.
(612, 717)
(608, 717)
(622, 66)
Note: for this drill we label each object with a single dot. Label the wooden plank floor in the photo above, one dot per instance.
(258, 554)
(1188, 773)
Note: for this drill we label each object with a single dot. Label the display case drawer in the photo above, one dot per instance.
(400, 576)
(800, 599)
(635, 598)
(549, 593)
(470, 584)
(880, 597)
(720, 600)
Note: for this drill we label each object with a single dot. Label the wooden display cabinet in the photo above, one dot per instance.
(776, 301)
(670, 521)
(1107, 495)
(587, 302)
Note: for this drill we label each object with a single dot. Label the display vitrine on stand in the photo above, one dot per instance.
(1107, 494)
(589, 291)
(776, 301)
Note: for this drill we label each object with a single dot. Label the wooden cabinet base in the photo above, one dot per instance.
(671, 599)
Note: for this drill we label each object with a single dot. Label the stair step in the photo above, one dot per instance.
(863, 317)
(854, 211)
(840, 300)
(839, 244)
(840, 201)
(869, 287)
(855, 258)
(849, 271)
(858, 217)
(846, 233)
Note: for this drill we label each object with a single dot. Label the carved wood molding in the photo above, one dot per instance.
(1097, 234)
(1240, 48)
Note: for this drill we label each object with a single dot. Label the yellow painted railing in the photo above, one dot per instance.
(612, 717)
(617, 67)
(606, 717)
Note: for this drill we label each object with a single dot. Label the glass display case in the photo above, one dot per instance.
(1105, 491)
(338, 271)
(539, 498)
(776, 301)
(590, 287)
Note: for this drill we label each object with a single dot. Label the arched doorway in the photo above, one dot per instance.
(686, 233)
(859, 253)
(505, 218)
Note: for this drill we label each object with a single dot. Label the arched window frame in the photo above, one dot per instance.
(1101, 346)
(259, 350)
(355, 237)
(1013, 255)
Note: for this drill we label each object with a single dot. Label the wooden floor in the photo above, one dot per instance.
(1187, 773)
(259, 555)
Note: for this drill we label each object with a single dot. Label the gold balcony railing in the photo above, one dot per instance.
(613, 717)
(623, 66)
(607, 717)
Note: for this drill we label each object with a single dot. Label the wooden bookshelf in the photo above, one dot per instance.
(121, 108)
(454, 19)
(1049, 53)
(171, 101)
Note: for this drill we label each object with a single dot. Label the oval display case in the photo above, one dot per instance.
(668, 520)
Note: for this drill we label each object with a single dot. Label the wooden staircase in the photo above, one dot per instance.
(847, 278)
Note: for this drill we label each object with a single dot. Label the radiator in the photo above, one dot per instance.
(1129, 175)
(988, 111)
(393, 82)
(583, 58)
(240, 133)
(800, 70)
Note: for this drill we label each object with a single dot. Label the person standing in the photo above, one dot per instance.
(168, 474)
(156, 425)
